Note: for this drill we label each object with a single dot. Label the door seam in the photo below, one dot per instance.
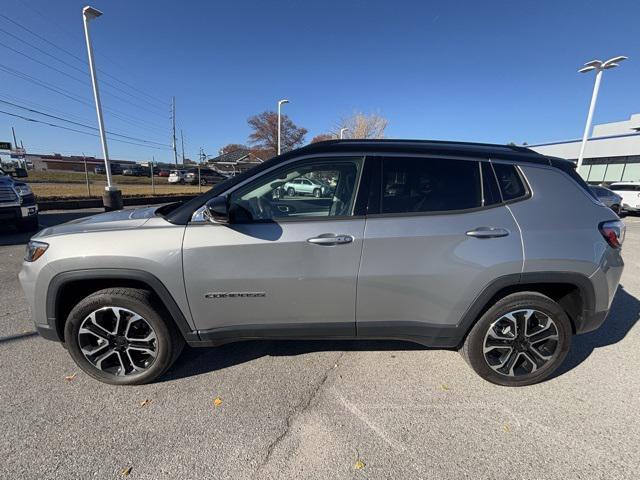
(355, 306)
(521, 237)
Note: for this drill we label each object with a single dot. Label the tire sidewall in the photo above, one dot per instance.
(164, 344)
(475, 339)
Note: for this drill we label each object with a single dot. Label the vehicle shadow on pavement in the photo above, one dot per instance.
(624, 314)
(197, 361)
(9, 235)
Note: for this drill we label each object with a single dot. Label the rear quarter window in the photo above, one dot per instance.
(510, 182)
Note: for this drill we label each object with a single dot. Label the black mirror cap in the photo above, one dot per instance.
(217, 210)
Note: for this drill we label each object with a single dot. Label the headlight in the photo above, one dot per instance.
(23, 190)
(35, 250)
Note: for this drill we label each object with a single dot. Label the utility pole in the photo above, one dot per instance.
(15, 142)
(182, 139)
(173, 119)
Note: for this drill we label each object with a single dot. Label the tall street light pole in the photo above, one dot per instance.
(280, 103)
(342, 130)
(112, 197)
(599, 66)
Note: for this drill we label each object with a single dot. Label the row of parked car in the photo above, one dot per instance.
(189, 176)
(619, 196)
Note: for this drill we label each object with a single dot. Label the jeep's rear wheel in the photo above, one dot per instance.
(118, 336)
(519, 341)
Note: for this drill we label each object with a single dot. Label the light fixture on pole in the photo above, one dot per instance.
(112, 197)
(342, 130)
(280, 103)
(599, 66)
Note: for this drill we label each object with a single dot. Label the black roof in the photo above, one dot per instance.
(380, 147)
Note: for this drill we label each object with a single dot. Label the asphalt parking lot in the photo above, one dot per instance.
(319, 409)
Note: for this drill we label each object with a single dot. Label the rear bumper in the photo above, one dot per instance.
(605, 281)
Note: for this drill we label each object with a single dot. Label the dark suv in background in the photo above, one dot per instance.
(17, 203)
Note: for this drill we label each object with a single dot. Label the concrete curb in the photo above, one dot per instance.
(76, 204)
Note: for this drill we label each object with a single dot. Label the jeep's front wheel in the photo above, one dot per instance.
(118, 336)
(521, 340)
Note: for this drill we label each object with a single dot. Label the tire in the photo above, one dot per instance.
(499, 317)
(29, 224)
(317, 193)
(140, 366)
(291, 192)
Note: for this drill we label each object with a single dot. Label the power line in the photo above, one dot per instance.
(73, 77)
(84, 72)
(81, 60)
(28, 119)
(80, 124)
(33, 104)
(70, 96)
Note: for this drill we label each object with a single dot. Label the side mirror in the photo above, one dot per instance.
(217, 210)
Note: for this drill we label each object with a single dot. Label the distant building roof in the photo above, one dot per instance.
(237, 156)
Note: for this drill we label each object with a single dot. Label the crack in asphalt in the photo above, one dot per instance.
(6, 314)
(299, 409)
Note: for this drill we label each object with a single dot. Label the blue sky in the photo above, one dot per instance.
(494, 71)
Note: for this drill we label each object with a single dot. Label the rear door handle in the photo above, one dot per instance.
(328, 239)
(488, 232)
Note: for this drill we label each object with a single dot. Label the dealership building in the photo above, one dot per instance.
(612, 153)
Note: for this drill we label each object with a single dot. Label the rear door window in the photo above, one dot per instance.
(411, 185)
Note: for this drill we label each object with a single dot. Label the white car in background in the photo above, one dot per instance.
(305, 186)
(177, 176)
(630, 193)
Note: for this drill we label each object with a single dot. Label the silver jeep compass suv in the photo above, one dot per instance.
(494, 250)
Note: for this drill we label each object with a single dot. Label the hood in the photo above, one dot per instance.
(118, 220)
(6, 180)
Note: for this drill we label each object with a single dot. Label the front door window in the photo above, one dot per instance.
(315, 188)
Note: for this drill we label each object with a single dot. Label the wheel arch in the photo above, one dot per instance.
(68, 288)
(574, 292)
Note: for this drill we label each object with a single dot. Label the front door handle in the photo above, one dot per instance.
(488, 232)
(328, 239)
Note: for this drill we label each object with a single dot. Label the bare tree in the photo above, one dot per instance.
(232, 147)
(362, 125)
(265, 132)
(323, 137)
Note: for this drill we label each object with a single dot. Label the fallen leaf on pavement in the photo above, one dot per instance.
(444, 387)
(68, 378)
(505, 427)
(359, 465)
(126, 471)
(144, 402)
(217, 401)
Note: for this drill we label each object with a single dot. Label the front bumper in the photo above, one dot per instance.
(17, 212)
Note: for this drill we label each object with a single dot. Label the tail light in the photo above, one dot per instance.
(613, 232)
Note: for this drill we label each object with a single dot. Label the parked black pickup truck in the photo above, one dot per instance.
(17, 203)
